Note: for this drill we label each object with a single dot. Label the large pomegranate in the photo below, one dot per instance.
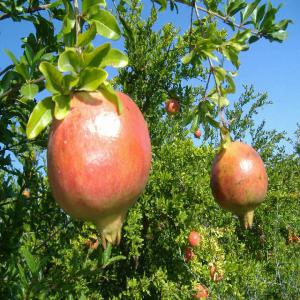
(99, 161)
(239, 180)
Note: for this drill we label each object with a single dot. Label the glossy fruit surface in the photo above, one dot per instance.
(239, 180)
(99, 161)
(194, 238)
(172, 107)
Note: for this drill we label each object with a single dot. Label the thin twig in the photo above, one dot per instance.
(6, 69)
(212, 13)
(42, 78)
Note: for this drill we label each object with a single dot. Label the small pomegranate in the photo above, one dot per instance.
(197, 134)
(26, 193)
(194, 238)
(99, 161)
(172, 107)
(239, 180)
(188, 254)
(201, 292)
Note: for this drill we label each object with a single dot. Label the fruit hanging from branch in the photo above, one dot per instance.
(172, 107)
(99, 161)
(239, 180)
(194, 238)
(197, 134)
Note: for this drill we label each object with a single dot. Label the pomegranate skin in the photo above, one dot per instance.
(239, 180)
(99, 161)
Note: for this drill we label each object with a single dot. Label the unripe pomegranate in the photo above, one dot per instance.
(194, 238)
(99, 161)
(172, 107)
(239, 180)
(197, 134)
(188, 254)
(201, 292)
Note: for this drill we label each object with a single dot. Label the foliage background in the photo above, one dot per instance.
(43, 252)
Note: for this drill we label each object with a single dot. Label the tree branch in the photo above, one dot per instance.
(26, 11)
(17, 86)
(212, 13)
(6, 69)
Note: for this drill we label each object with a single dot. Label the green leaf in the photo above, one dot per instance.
(62, 106)
(108, 91)
(22, 275)
(11, 56)
(69, 81)
(106, 24)
(53, 78)
(31, 261)
(212, 121)
(211, 55)
(231, 55)
(40, 117)
(91, 78)
(235, 6)
(231, 85)
(29, 90)
(195, 122)
(258, 15)
(188, 57)
(106, 254)
(87, 4)
(114, 58)
(279, 36)
(69, 19)
(95, 58)
(114, 259)
(249, 10)
(69, 61)
(220, 73)
(163, 4)
(86, 37)
(23, 70)
(127, 30)
(55, 4)
(220, 101)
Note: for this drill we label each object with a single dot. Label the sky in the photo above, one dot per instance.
(271, 67)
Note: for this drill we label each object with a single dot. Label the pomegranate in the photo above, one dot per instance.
(239, 180)
(197, 134)
(188, 254)
(99, 161)
(172, 107)
(201, 292)
(194, 238)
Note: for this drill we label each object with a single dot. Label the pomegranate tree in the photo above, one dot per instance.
(239, 180)
(99, 161)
